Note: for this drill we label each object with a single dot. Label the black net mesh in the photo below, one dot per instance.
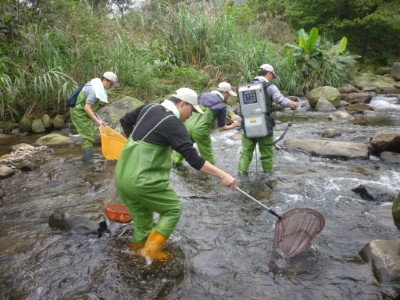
(295, 230)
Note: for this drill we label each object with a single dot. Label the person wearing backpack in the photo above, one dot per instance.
(265, 75)
(87, 103)
(199, 126)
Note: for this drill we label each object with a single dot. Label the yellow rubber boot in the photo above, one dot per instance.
(136, 246)
(152, 248)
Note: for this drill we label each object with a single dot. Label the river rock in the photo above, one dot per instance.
(324, 105)
(329, 148)
(387, 140)
(395, 71)
(390, 157)
(358, 98)
(6, 171)
(340, 116)
(372, 82)
(331, 133)
(25, 125)
(38, 126)
(347, 89)
(373, 193)
(358, 107)
(58, 121)
(46, 121)
(54, 139)
(384, 259)
(329, 93)
(79, 224)
(1, 193)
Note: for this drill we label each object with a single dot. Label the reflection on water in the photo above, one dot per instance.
(223, 245)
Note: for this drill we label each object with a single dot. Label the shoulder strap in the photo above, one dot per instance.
(143, 114)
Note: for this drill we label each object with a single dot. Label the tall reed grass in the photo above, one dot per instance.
(154, 50)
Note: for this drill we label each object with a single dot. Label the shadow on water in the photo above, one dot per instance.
(223, 246)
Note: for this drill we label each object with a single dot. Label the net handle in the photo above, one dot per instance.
(255, 200)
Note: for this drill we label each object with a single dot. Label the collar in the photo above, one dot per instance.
(170, 106)
(219, 94)
(99, 89)
(261, 78)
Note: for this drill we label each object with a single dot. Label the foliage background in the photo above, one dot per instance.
(48, 47)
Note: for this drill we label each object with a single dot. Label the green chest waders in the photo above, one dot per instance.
(142, 181)
(199, 128)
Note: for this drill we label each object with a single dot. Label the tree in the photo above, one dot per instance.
(372, 26)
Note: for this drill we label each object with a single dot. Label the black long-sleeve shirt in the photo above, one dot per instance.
(171, 132)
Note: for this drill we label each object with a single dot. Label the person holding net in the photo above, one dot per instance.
(143, 168)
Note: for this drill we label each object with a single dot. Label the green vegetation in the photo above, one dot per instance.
(320, 62)
(48, 48)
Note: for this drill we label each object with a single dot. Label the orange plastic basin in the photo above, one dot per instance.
(117, 212)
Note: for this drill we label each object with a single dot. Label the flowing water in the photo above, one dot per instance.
(223, 246)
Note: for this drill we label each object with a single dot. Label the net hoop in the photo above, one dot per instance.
(295, 230)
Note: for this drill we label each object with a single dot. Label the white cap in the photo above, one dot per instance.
(189, 96)
(112, 77)
(268, 68)
(226, 87)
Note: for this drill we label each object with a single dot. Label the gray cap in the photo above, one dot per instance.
(189, 96)
(268, 68)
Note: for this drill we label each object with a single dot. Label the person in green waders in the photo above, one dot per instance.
(265, 75)
(83, 113)
(143, 168)
(199, 125)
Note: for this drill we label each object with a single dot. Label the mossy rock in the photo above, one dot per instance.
(54, 139)
(46, 121)
(25, 125)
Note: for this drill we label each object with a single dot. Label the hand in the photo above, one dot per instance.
(101, 123)
(229, 181)
(235, 123)
(293, 105)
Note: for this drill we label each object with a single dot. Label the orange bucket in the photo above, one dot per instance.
(112, 142)
(117, 212)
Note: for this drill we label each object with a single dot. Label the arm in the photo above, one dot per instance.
(221, 116)
(228, 127)
(226, 179)
(128, 121)
(278, 98)
(91, 114)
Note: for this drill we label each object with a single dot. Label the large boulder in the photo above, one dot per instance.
(112, 112)
(396, 211)
(387, 140)
(329, 148)
(329, 93)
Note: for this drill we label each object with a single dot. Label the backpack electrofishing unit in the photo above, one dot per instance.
(256, 109)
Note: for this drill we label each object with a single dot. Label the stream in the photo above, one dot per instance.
(223, 246)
